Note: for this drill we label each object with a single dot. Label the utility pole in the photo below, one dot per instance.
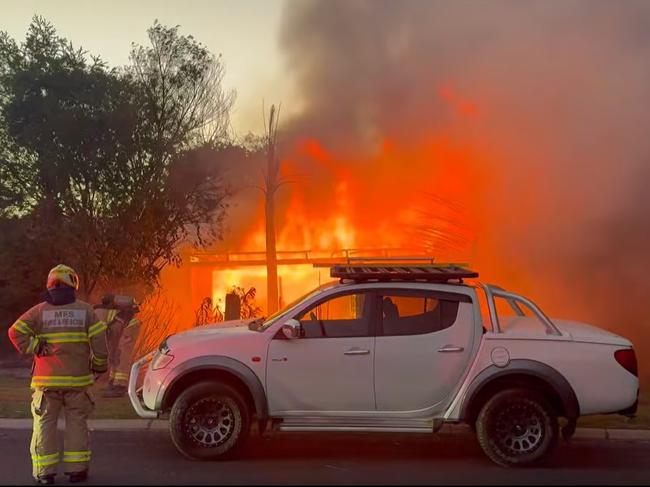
(271, 185)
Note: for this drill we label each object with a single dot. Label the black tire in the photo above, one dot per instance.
(517, 428)
(209, 421)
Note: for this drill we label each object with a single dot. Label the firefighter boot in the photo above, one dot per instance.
(44, 479)
(75, 477)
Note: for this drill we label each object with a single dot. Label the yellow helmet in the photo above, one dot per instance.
(62, 275)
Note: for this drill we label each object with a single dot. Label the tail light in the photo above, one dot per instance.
(627, 359)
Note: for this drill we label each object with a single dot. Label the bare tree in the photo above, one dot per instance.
(207, 313)
(186, 101)
(272, 182)
(159, 318)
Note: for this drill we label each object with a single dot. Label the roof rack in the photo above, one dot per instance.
(403, 272)
(371, 260)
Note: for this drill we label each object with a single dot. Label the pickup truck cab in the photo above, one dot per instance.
(390, 348)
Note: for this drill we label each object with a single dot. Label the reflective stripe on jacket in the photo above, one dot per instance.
(133, 322)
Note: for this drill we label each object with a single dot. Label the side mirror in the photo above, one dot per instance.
(291, 329)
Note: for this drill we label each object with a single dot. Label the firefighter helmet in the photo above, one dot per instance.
(62, 275)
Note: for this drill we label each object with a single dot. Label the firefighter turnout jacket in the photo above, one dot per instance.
(68, 341)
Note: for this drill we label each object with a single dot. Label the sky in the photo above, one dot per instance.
(245, 32)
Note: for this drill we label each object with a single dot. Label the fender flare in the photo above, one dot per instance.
(217, 362)
(523, 367)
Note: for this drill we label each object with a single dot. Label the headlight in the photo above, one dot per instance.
(163, 347)
(162, 358)
(161, 361)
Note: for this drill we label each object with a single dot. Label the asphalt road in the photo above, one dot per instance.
(148, 457)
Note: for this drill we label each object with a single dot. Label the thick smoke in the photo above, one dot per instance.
(556, 92)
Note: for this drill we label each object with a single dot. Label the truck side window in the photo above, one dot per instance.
(337, 317)
(417, 314)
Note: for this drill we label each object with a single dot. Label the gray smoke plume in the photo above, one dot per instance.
(559, 91)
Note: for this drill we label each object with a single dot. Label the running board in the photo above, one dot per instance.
(356, 424)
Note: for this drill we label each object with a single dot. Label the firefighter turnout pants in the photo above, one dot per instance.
(77, 404)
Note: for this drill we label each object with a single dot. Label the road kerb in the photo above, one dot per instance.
(453, 430)
(625, 434)
(93, 424)
(591, 434)
(159, 424)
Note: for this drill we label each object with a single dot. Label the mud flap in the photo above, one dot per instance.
(569, 429)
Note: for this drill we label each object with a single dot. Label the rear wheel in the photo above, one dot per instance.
(517, 427)
(209, 421)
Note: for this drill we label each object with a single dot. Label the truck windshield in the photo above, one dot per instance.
(263, 323)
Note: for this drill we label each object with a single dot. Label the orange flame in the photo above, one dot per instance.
(425, 196)
(434, 193)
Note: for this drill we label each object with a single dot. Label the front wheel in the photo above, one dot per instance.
(517, 427)
(209, 421)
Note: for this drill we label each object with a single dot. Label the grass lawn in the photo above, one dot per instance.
(15, 399)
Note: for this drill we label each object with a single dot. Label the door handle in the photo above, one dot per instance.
(451, 348)
(356, 351)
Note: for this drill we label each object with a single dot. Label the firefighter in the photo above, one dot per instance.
(68, 342)
(120, 367)
(107, 312)
(123, 327)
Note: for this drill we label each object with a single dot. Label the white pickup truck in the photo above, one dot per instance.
(390, 348)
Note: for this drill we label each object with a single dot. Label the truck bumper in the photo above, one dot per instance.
(631, 411)
(134, 391)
